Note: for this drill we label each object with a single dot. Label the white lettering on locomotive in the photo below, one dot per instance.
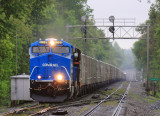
(47, 64)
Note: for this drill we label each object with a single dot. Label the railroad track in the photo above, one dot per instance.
(90, 112)
(120, 105)
(76, 102)
(35, 105)
(69, 103)
(54, 108)
(47, 110)
(118, 108)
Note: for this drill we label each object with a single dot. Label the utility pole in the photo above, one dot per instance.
(16, 52)
(147, 87)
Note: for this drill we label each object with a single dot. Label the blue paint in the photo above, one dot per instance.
(49, 64)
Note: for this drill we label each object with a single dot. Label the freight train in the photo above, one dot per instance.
(59, 71)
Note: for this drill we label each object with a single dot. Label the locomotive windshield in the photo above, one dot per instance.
(60, 49)
(40, 49)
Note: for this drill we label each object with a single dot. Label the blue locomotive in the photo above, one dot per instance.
(59, 71)
(52, 69)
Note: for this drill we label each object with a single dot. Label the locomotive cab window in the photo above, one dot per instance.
(60, 49)
(40, 49)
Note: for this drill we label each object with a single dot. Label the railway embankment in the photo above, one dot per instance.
(138, 103)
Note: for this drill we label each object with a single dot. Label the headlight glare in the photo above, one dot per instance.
(59, 77)
(51, 42)
(39, 77)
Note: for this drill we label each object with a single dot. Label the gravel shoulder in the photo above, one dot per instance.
(106, 109)
(138, 103)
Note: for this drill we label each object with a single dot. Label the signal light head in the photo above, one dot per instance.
(111, 29)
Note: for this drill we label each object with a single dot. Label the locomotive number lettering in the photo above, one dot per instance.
(46, 64)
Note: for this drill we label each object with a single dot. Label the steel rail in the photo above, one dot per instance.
(118, 108)
(95, 107)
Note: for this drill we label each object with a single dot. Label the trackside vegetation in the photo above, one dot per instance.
(29, 20)
(140, 46)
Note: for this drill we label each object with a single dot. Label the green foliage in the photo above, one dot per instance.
(30, 20)
(140, 46)
(5, 90)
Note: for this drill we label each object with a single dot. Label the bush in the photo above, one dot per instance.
(5, 92)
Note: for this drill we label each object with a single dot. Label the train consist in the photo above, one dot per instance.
(59, 71)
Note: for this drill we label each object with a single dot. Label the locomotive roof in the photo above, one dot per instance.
(46, 40)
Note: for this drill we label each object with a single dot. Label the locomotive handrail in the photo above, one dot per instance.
(32, 71)
(68, 76)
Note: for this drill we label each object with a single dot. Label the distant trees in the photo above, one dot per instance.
(36, 19)
(140, 46)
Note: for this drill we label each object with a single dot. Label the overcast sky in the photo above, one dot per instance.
(121, 9)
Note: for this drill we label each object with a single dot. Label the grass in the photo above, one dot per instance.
(2, 110)
(125, 83)
(110, 103)
(134, 96)
(121, 91)
(108, 91)
(114, 102)
(82, 110)
(151, 99)
(158, 94)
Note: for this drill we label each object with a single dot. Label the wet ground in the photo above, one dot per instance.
(138, 102)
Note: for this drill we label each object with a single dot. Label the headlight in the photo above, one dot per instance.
(59, 77)
(39, 77)
(51, 42)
